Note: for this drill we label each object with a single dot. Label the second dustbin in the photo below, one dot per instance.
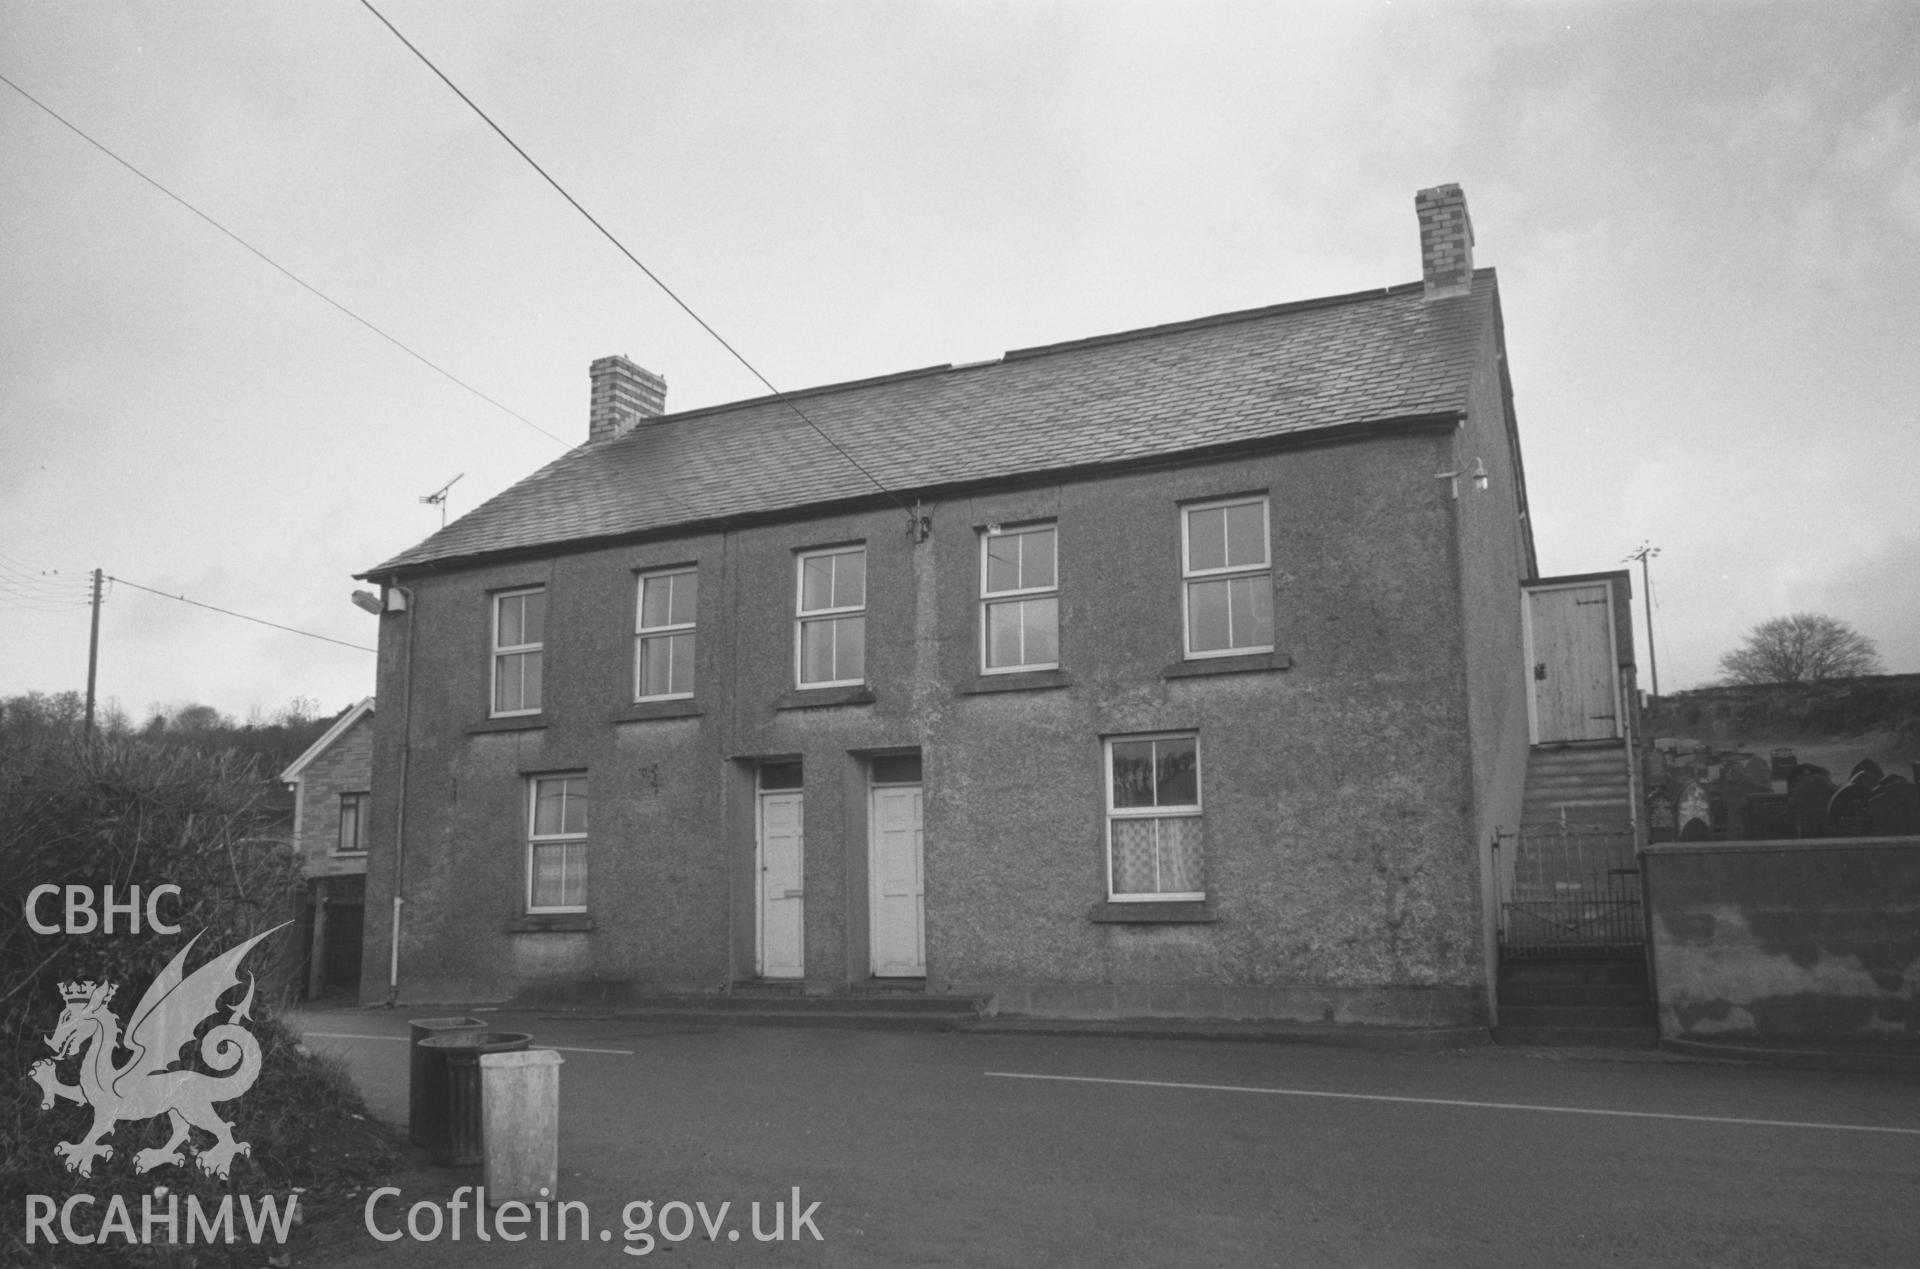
(427, 1075)
(453, 1130)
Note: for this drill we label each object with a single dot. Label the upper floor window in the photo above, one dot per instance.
(1153, 818)
(1228, 578)
(519, 637)
(353, 825)
(663, 638)
(1019, 600)
(557, 844)
(830, 638)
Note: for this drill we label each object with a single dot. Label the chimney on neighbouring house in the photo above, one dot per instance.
(1446, 241)
(624, 393)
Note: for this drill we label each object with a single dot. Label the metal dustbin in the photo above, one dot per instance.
(427, 1074)
(454, 1136)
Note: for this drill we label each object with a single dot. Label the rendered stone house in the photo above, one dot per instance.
(332, 787)
(1174, 671)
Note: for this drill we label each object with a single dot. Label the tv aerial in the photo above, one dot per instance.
(438, 498)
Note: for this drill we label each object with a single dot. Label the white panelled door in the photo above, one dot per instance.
(782, 901)
(896, 884)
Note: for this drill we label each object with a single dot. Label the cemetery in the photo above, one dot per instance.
(1783, 876)
(1699, 792)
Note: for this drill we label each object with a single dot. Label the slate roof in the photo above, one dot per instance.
(1139, 395)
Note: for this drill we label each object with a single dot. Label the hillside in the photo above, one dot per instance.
(1833, 724)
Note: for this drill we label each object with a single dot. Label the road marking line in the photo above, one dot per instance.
(558, 1048)
(1441, 1101)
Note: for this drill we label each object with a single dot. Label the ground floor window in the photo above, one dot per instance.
(557, 843)
(1153, 818)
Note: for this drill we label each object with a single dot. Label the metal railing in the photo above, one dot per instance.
(1570, 891)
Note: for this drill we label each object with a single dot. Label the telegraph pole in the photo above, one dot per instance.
(93, 651)
(1642, 553)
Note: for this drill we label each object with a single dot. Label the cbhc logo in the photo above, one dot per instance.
(84, 916)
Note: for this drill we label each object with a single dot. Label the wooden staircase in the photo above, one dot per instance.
(1603, 1000)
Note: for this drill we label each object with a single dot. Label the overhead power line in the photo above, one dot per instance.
(30, 589)
(635, 260)
(26, 573)
(27, 604)
(242, 616)
(290, 274)
(27, 589)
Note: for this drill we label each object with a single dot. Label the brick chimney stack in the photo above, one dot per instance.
(1446, 241)
(623, 394)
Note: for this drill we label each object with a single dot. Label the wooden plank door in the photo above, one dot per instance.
(1575, 682)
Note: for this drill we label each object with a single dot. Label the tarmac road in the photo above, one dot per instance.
(987, 1149)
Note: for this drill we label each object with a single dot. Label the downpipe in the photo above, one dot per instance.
(393, 956)
(400, 810)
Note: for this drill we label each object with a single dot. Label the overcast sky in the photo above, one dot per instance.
(1705, 218)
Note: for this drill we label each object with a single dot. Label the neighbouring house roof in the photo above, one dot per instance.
(326, 740)
(1137, 396)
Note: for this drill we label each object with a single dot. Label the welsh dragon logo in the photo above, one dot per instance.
(172, 1009)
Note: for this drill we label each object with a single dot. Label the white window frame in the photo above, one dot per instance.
(1189, 575)
(991, 598)
(359, 802)
(804, 615)
(500, 651)
(535, 839)
(643, 632)
(1180, 811)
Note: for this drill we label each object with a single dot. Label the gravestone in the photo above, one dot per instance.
(1812, 790)
(1769, 818)
(1782, 770)
(1847, 811)
(1695, 813)
(1661, 824)
(1894, 807)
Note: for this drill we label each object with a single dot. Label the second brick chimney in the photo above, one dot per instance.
(624, 392)
(1446, 241)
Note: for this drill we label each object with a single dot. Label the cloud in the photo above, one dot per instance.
(1878, 593)
(1861, 209)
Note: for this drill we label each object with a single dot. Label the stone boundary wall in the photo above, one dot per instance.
(1795, 942)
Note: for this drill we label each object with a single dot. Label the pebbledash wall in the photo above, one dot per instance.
(1348, 781)
(1493, 552)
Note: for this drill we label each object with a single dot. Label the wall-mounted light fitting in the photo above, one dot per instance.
(395, 600)
(1476, 473)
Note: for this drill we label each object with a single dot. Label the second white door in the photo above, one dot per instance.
(895, 885)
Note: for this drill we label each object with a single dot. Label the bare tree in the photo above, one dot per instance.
(1801, 648)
